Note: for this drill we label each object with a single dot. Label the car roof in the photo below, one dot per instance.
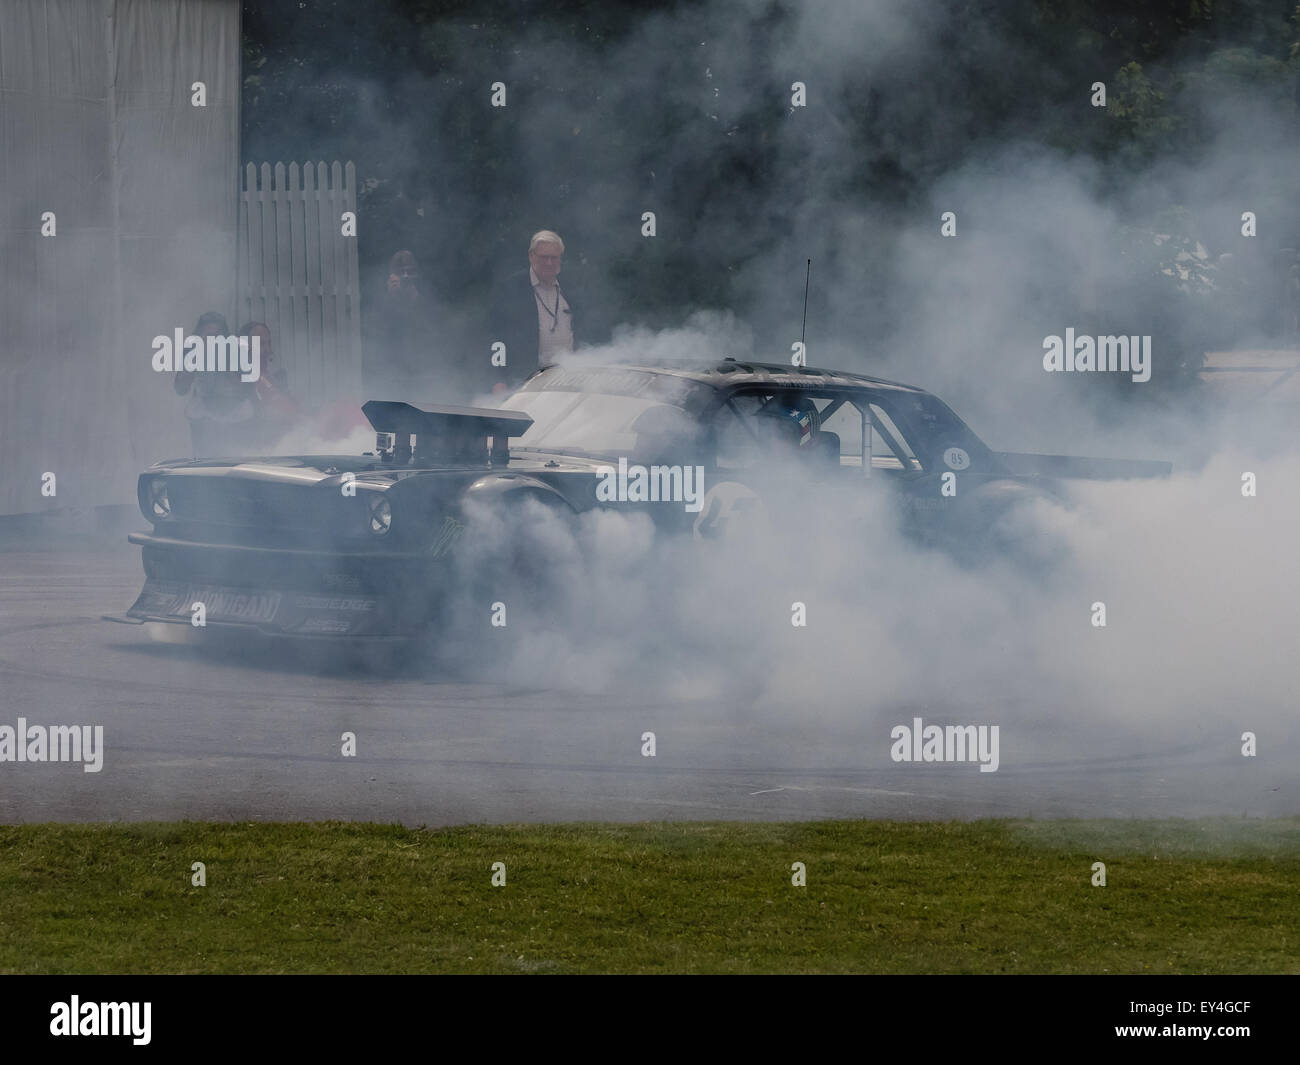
(732, 373)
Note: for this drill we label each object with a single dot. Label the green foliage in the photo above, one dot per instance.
(1140, 113)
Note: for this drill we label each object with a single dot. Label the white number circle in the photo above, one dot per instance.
(956, 458)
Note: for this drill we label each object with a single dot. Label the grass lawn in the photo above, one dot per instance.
(881, 897)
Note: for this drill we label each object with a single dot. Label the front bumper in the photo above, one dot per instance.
(287, 591)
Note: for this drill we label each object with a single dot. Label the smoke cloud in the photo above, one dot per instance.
(1192, 574)
(1197, 579)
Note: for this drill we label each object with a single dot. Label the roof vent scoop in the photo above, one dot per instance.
(443, 435)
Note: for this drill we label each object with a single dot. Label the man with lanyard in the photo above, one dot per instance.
(531, 315)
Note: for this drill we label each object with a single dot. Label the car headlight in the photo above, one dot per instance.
(159, 505)
(381, 515)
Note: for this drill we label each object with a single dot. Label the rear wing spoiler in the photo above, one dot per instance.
(1023, 465)
(443, 434)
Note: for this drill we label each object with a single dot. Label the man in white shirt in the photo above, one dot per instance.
(533, 318)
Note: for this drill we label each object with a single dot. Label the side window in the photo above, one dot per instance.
(846, 423)
(888, 442)
(745, 439)
(737, 446)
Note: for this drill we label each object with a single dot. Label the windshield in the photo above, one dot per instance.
(597, 423)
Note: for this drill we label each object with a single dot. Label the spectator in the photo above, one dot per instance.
(531, 315)
(277, 410)
(401, 359)
(219, 406)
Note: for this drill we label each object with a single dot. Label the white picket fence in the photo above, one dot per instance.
(298, 274)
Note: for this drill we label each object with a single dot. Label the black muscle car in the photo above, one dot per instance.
(368, 546)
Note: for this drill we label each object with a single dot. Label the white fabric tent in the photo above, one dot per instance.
(98, 126)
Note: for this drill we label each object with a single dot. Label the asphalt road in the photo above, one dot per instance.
(238, 734)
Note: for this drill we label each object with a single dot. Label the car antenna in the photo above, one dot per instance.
(804, 331)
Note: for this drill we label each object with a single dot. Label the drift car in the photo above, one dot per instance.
(371, 546)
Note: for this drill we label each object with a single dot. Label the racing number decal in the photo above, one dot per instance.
(956, 459)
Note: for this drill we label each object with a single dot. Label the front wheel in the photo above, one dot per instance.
(514, 569)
